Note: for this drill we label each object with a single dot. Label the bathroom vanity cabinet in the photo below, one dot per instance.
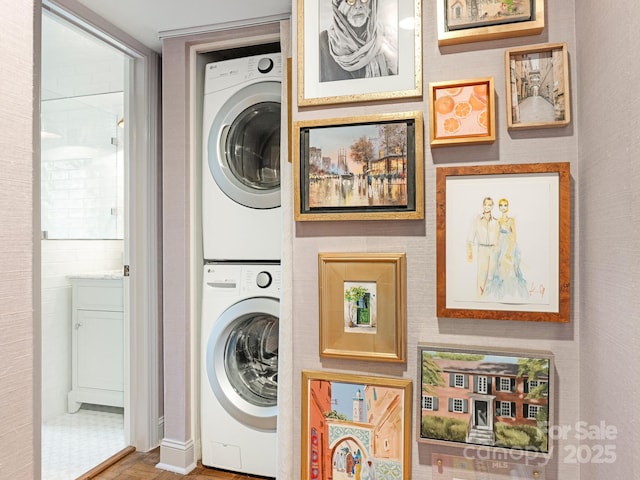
(97, 341)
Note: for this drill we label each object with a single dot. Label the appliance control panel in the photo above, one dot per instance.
(237, 71)
(254, 279)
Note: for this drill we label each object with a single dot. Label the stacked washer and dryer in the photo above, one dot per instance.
(242, 230)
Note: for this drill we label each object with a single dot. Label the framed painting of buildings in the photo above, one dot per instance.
(353, 425)
(363, 306)
(359, 168)
(462, 112)
(355, 51)
(485, 397)
(537, 79)
(464, 21)
(503, 236)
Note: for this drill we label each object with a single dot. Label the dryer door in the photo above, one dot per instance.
(242, 361)
(244, 146)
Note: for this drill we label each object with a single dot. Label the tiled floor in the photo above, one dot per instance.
(73, 444)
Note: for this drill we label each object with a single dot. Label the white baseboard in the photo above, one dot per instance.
(177, 457)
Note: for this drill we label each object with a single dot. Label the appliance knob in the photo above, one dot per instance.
(263, 279)
(265, 65)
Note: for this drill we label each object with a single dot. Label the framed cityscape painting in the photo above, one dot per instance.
(355, 426)
(359, 168)
(485, 397)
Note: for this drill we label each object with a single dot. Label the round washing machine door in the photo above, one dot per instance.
(242, 361)
(244, 146)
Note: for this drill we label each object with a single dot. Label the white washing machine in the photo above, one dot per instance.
(239, 370)
(241, 213)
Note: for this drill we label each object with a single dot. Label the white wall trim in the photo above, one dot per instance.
(178, 457)
(144, 230)
(249, 22)
(161, 426)
(84, 18)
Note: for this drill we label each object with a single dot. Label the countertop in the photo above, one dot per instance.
(108, 275)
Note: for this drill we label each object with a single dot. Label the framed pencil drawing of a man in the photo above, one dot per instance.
(355, 50)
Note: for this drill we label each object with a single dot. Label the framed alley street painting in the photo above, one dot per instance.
(355, 426)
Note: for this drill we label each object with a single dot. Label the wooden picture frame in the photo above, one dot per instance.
(355, 422)
(492, 21)
(461, 466)
(483, 269)
(359, 168)
(363, 306)
(485, 397)
(538, 93)
(462, 112)
(328, 72)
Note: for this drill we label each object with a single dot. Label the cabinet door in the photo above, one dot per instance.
(100, 347)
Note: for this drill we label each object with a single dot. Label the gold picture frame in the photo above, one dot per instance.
(537, 80)
(329, 76)
(483, 31)
(363, 306)
(462, 112)
(359, 422)
(483, 269)
(359, 168)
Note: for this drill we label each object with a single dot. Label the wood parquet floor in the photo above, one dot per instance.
(142, 466)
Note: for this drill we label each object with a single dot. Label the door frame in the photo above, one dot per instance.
(490, 401)
(142, 251)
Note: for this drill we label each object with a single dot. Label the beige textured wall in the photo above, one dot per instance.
(607, 328)
(609, 148)
(418, 240)
(17, 375)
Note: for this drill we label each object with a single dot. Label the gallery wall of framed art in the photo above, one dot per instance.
(526, 169)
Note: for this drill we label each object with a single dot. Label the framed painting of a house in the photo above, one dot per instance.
(464, 21)
(355, 426)
(485, 397)
(503, 238)
(359, 168)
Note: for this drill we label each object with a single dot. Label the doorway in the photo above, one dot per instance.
(480, 415)
(127, 234)
(83, 242)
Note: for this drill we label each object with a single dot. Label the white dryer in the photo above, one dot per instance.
(239, 368)
(241, 214)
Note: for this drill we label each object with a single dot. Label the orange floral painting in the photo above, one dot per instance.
(462, 112)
